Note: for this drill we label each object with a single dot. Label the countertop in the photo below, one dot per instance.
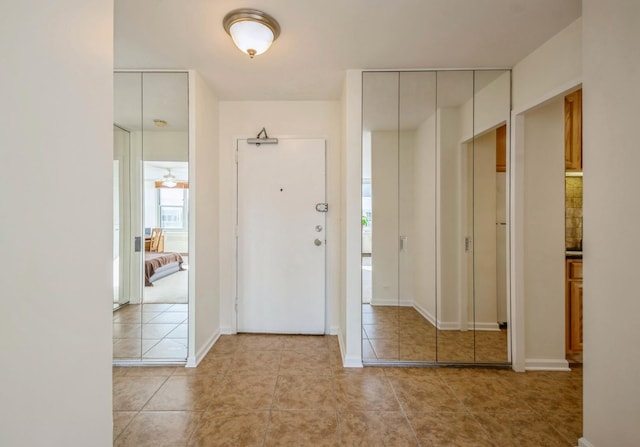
(573, 254)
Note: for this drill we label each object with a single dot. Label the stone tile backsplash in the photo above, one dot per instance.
(573, 213)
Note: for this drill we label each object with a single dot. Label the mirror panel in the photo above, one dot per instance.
(434, 265)
(455, 216)
(491, 109)
(165, 215)
(380, 216)
(417, 205)
(151, 109)
(127, 316)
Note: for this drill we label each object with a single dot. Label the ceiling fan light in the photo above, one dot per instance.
(252, 31)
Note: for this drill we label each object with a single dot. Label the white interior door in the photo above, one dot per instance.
(281, 237)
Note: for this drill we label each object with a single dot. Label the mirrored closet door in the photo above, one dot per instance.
(434, 207)
(151, 203)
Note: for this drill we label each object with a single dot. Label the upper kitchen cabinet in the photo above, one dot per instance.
(573, 132)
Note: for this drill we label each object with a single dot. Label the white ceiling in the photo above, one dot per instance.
(322, 39)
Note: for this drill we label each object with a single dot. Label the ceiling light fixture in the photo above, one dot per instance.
(252, 31)
(169, 180)
(160, 123)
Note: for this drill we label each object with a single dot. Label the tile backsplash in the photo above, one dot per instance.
(573, 212)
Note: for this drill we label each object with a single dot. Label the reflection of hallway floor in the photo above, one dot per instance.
(157, 331)
(367, 278)
(401, 333)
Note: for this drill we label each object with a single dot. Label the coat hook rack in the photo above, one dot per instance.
(262, 138)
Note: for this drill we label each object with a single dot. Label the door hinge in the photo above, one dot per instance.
(468, 244)
(236, 304)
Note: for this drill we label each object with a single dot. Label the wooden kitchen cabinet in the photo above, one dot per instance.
(574, 306)
(573, 132)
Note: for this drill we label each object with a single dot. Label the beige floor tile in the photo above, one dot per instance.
(210, 366)
(159, 429)
(568, 424)
(375, 428)
(310, 362)
(157, 330)
(261, 342)
(187, 393)
(170, 317)
(487, 394)
(127, 348)
(120, 420)
(306, 343)
(127, 330)
(457, 429)
(304, 393)
(386, 349)
(364, 392)
(167, 348)
(244, 393)
(132, 393)
(255, 362)
(424, 395)
(526, 429)
(302, 429)
(226, 344)
(228, 428)
(157, 307)
(387, 331)
(149, 371)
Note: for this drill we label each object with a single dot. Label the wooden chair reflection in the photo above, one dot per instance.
(156, 241)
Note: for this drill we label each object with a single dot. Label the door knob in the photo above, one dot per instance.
(318, 242)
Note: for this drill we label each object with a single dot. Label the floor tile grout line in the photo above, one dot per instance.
(402, 409)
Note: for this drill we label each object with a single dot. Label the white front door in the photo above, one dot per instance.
(281, 237)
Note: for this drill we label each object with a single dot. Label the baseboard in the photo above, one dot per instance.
(333, 330)
(452, 325)
(582, 442)
(546, 365)
(425, 314)
(491, 326)
(202, 352)
(347, 362)
(391, 302)
(227, 331)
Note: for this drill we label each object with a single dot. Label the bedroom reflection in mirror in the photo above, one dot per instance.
(151, 218)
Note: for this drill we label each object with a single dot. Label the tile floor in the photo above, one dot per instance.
(272, 390)
(157, 331)
(401, 333)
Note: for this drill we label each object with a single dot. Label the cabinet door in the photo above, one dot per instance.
(573, 131)
(575, 316)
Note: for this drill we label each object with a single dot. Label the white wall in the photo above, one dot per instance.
(350, 293)
(553, 67)
(548, 73)
(611, 213)
(242, 119)
(544, 235)
(204, 246)
(55, 310)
